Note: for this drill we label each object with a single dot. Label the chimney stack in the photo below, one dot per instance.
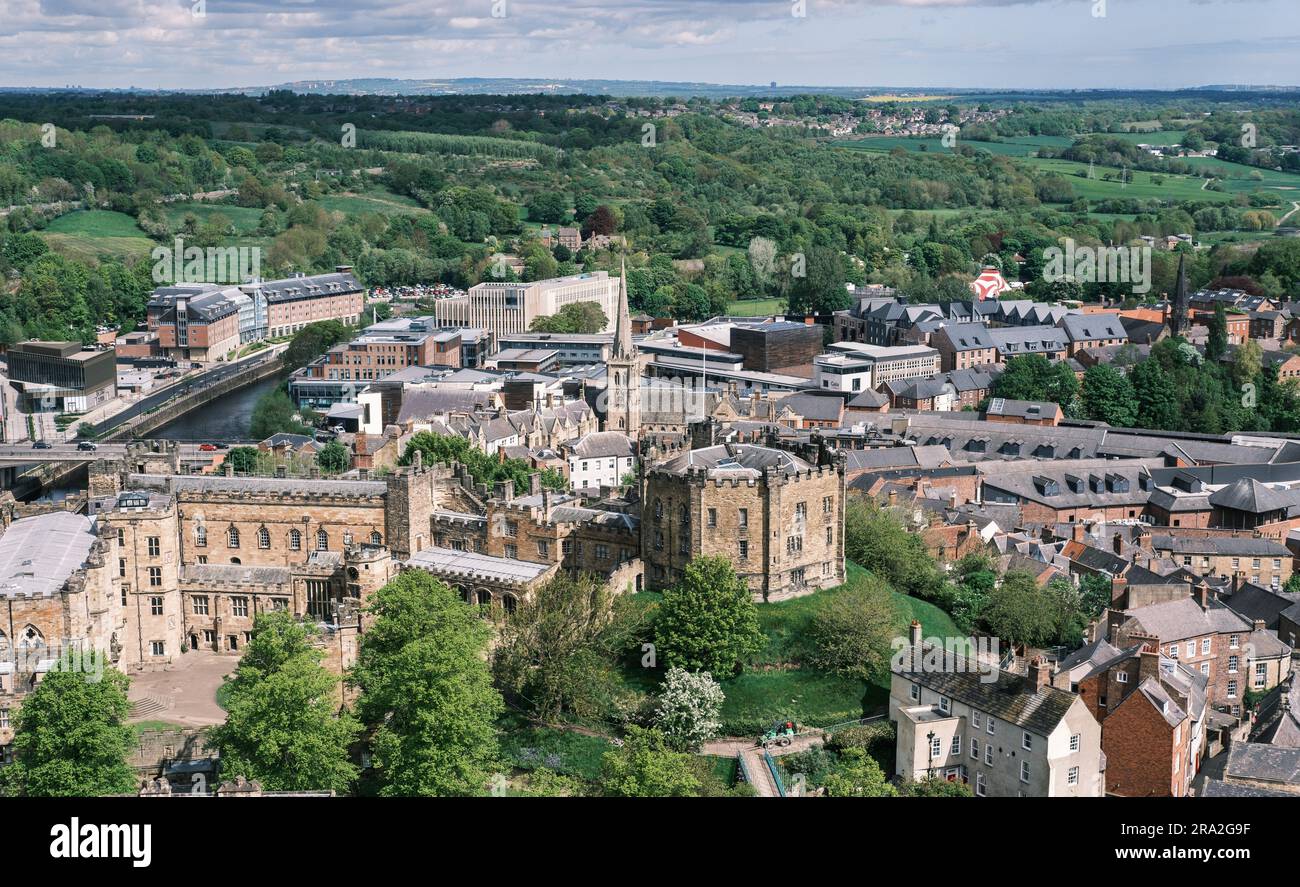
(1202, 596)
(914, 633)
(1040, 674)
(1149, 663)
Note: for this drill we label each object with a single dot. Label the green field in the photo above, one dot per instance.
(1138, 185)
(756, 307)
(1021, 146)
(90, 234)
(244, 218)
(375, 200)
(1158, 137)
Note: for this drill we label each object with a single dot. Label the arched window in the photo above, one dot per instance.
(508, 603)
(681, 514)
(322, 540)
(30, 638)
(295, 540)
(232, 537)
(200, 535)
(659, 509)
(263, 537)
(376, 539)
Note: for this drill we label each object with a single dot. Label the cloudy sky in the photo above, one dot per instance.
(935, 43)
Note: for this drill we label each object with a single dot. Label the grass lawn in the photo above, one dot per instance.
(776, 685)
(726, 769)
(153, 726)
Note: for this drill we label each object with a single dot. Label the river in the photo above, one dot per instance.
(225, 419)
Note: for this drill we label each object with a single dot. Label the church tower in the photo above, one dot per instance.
(623, 372)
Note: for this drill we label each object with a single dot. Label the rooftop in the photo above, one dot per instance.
(38, 554)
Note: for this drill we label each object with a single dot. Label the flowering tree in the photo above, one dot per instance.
(689, 708)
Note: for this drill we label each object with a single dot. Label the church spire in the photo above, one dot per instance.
(623, 324)
(1178, 312)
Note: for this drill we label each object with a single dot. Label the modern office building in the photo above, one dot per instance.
(511, 307)
(62, 376)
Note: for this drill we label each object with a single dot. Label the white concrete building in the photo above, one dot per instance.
(508, 308)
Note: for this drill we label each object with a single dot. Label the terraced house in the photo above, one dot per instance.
(1004, 734)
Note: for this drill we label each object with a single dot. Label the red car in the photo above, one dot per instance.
(207, 448)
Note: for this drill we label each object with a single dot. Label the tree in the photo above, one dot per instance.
(858, 776)
(1216, 343)
(645, 767)
(934, 787)
(549, 206)
(1108, 397)
(426, 692)
(242, 460)
(576, 317)
(558, 653)
(689, 709)
(850, 633)
(485, 469)
(1157, 399)
(313, 340)
(71, 738)
(708, 620)
(334, 458)
(275, 413)
(602, 221)
(1020, 611)
(878, 541)
(1034, 377)
(283, 728)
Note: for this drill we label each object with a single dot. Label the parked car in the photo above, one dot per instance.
(42, 445)
(88, 445)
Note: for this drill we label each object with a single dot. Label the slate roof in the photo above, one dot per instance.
(1217, 788)
(421, 404)
(603, 445)
(1248, 546)
(316, 286)
(869, 400)
(1256, 602)
(1009, 698)
(1285, 731)
(967, 336)
(1248, 494)
(817, 407)
(1093, 327)
(1264, 763)
(1012, 341)
(1180, 619)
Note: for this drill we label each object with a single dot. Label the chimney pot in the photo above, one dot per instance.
(914, 633)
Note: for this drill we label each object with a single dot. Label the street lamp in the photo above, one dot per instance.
(929, 772)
